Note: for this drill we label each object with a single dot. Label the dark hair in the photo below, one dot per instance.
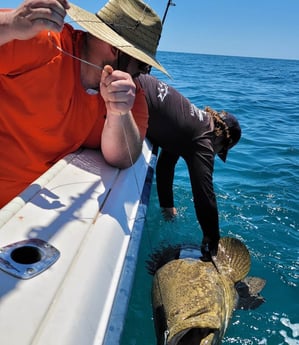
(227, 126)
(221, 127)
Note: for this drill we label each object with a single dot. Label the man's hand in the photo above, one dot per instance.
(118, 91)
(33, 16)
(169, 213)
(209, 248)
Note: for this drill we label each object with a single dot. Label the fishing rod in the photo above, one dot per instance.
(169, 3)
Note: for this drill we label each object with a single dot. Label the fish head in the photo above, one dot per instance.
(192, 301)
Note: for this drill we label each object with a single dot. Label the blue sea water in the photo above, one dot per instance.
(257, 191)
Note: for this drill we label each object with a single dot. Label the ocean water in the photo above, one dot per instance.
(257, 191)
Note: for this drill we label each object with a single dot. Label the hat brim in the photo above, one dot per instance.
(91, 23)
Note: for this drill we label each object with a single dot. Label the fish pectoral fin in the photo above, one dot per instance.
(248, 290)
(255, 284)
(250, 302)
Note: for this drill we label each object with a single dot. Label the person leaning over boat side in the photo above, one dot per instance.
(180, 129)
(52, 103)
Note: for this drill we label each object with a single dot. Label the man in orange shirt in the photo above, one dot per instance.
(63, 88)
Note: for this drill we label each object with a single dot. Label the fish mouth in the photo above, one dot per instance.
(194, 336)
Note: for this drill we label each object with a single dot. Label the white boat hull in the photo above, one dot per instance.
(89, 212)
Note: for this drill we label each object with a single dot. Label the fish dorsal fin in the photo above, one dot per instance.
(232, 259)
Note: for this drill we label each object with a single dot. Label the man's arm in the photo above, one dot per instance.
(31, 17)
(164, 177)
(121, 142)
(200, 166)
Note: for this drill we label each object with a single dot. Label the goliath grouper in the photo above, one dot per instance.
(193, 300)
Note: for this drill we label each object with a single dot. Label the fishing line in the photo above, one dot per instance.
(71, 55)
(122, 120)
(166, 332)
(131, 158)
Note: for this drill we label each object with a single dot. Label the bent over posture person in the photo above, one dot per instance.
(182, 130)
(62, 88)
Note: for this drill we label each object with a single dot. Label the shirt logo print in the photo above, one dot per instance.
(163, 91)
(195, 112)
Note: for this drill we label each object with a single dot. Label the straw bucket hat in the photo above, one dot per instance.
(129, 25)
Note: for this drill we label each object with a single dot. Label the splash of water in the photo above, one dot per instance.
(294, 328)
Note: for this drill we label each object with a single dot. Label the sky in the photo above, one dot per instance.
(253, 28)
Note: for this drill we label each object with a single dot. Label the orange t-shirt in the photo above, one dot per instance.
(45, 113)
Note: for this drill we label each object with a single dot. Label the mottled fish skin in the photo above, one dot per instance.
(194, 299)
(183, 287)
